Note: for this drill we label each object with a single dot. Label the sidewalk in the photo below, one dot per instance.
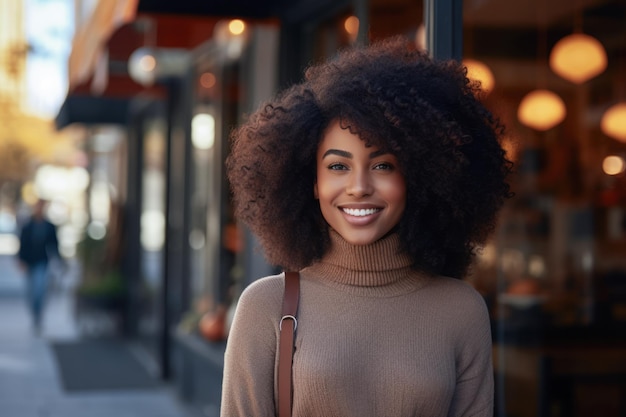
(30, 384)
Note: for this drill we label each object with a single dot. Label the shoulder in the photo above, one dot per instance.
(266, 286)
(263, 294)
(458, 299)
(258, 309)
(456, 288)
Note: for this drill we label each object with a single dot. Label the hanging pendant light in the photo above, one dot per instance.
(613, 122)
(613, 165)
(578, 58)
(541, 110)
(478, 71)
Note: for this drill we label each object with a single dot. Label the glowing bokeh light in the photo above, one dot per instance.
(613, 165)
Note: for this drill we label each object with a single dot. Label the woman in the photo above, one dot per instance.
(377, 178)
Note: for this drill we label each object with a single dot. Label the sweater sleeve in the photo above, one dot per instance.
(474, 391)
(249, 361)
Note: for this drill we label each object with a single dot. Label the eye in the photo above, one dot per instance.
(337, 167)
(384, 166)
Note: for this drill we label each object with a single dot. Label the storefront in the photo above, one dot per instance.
(554, 273)
(225, 86)
(226, 77)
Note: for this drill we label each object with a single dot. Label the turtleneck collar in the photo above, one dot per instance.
(378, 269)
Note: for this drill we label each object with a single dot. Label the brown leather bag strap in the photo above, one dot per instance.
(288, 324)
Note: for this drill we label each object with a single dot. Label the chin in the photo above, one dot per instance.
(360, 240)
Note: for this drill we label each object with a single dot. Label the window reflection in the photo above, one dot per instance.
(555, 272)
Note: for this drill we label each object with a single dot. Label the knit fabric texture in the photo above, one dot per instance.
(374, 338)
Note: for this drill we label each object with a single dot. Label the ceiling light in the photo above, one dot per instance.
(541, 110)
(147, 65)
(578, 58)
(613, 165)
(613, 122)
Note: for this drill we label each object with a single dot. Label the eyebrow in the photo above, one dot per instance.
(345, 154)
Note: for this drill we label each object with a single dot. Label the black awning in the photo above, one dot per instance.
(259, 9)
(92, 110)
(244, 8)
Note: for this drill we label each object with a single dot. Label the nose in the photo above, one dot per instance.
(359, 184)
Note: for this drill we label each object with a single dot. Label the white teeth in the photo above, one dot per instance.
(360, 212)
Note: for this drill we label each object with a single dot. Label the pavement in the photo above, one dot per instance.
(30, 384)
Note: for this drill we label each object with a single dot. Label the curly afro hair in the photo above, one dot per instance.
(424, 111)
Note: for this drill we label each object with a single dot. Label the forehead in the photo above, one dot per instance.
(371, 136)
(337, 136)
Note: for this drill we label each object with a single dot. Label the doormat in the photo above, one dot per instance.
(100, 364)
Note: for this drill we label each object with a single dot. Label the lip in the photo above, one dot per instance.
(360, 220)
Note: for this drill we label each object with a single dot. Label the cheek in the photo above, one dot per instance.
(395, 190)
(324, 186)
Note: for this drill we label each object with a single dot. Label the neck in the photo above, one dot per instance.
(378, 268)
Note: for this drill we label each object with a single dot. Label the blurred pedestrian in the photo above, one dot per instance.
(38, 246)
(377, 178)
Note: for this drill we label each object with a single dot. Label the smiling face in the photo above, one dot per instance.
(361, 191)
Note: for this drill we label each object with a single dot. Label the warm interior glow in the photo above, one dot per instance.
(613, 165)
(613, 122)
(142, 65)
(203, 131)
(510, 147)
(478, 71)
(420, 37)
(147, 63)
(231, 36)
(351, 25)
(207, 80)
(541, 110)
(236, 26)
(578, 58)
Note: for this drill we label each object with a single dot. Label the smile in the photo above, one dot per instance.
(361, 212)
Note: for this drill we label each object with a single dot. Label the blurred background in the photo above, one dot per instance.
(118, 113)
(35, 43)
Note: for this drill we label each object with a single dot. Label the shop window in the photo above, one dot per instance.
(553, 273)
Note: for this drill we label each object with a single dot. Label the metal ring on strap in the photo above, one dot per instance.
(288, 316)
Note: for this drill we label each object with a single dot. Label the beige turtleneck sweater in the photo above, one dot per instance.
(374, 338)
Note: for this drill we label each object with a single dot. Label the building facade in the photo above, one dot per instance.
(554, 273)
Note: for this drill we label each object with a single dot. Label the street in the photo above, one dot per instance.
(30, 379)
